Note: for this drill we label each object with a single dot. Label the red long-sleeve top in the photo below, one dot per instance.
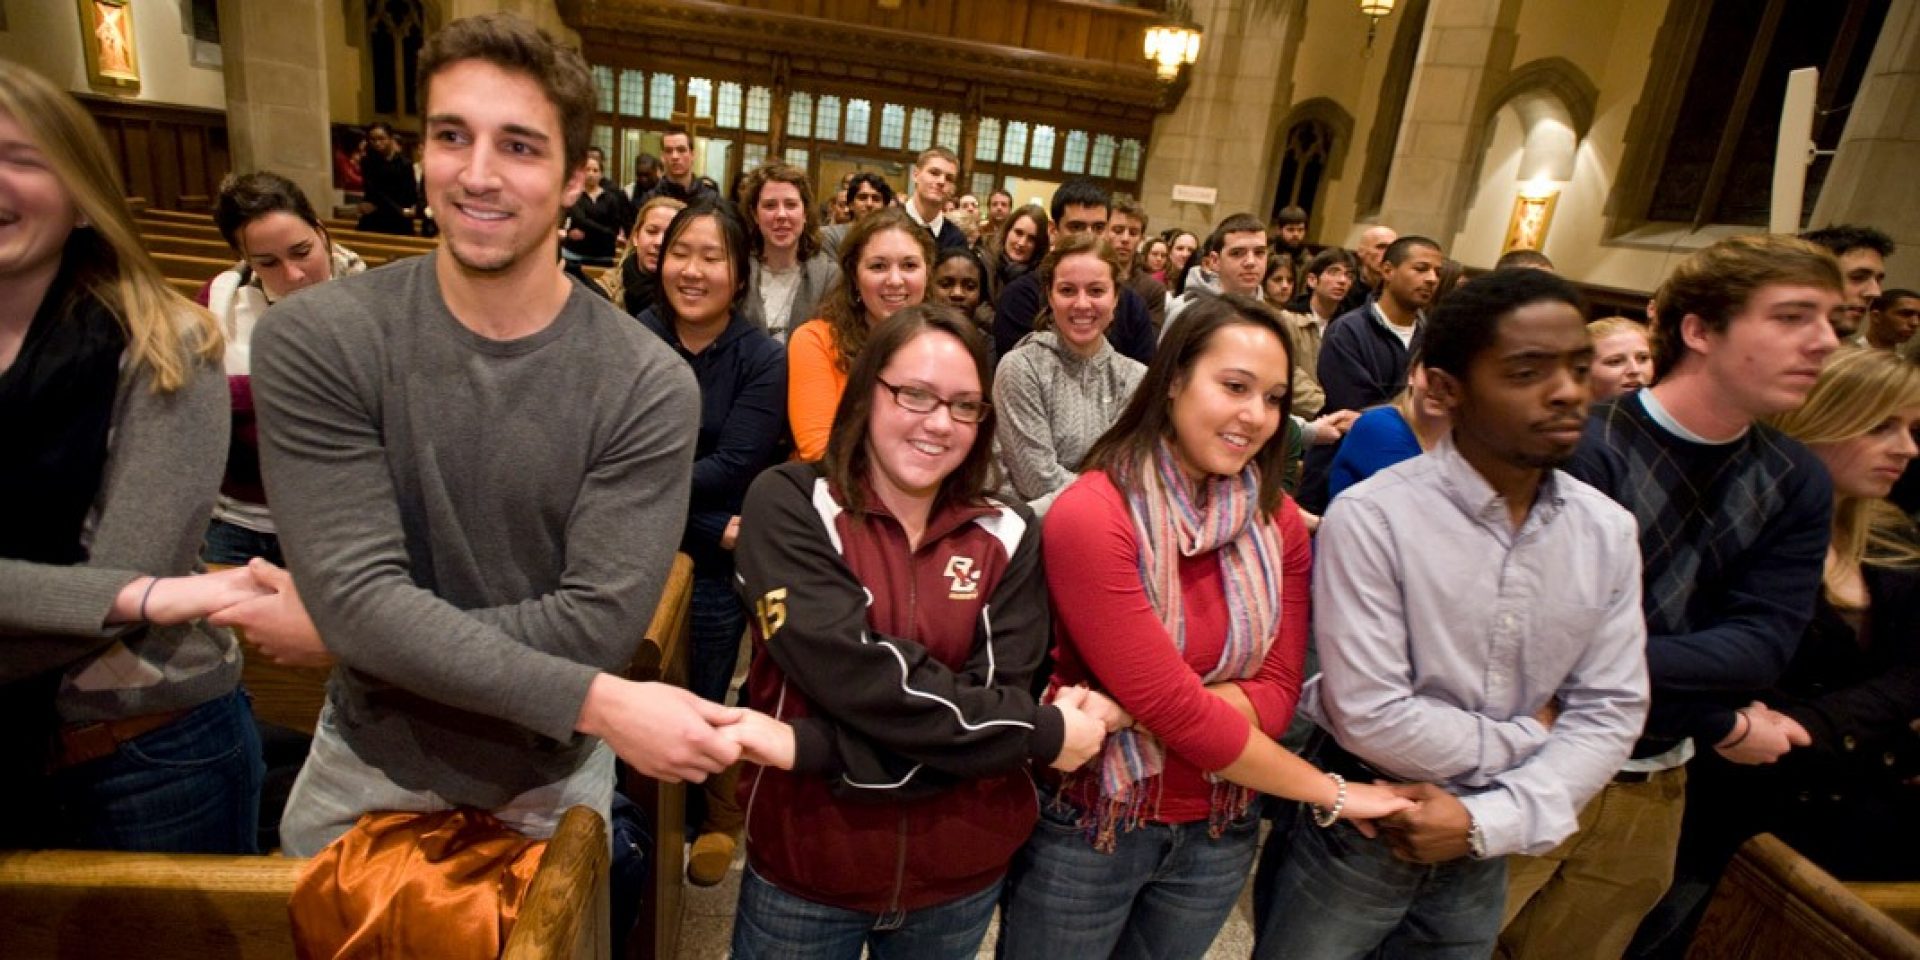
(1108, 637)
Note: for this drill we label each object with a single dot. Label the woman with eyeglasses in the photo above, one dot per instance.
(884, 266)
(899, 617)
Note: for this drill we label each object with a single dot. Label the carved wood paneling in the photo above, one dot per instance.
(172, 157)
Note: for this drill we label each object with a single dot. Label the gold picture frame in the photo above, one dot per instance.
(106, 31)
(1532, 215)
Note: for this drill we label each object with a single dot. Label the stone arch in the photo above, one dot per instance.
(1554, 101)
(1313, 138)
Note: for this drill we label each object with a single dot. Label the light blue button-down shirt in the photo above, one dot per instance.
(1442, 630)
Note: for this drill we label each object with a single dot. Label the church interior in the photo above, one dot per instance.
(1617, 138)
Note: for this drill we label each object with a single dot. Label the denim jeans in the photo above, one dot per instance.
(717, 622)
(772, 924)
(192, 786)
(1336, 894)
(335, 787)
(233, 545)
(1164, 892)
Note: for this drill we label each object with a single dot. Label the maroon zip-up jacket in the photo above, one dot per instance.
(908, 677)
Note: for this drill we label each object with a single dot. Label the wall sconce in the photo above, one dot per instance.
(1174, 42)
(1373, 10)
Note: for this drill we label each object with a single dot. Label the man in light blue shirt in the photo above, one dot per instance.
(1477, 614)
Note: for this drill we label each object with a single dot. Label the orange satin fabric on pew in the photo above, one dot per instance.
(444, 885)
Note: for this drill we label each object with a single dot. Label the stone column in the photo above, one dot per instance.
(1464, 58)
(1222, 136)
(276, 75)
(1871, 181)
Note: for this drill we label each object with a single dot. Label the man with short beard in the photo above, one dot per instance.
(1363, 359)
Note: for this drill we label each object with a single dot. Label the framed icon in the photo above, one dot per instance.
(106, 30)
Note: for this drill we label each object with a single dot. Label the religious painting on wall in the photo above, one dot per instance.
(106, 30)
(1527, 229)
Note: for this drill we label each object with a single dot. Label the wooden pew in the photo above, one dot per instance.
(366, 244)
(197, 247)
(1774, 904)
(662, 657)
(79, 905)
(180, 266)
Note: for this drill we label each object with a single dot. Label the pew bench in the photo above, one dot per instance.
(79, 905)
(1774, 904)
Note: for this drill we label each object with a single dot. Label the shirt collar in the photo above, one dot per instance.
(939, 219)
(1380, 316)
(1475, 497)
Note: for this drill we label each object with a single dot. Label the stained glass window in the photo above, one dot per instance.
(633, 93)
(859, 120)
(797, 157)
(949, 133)
(700, 90)
(1014, 149)
(603, 88)
(800, 115)
(982, 185)
(1103, 147)
(728, 116)
(1042, 155)
(826, 126)
(752, 155)
(759, 109)
(988, 145)
(920, 130)
(660, 105)
(1074, 160)
(1129, 163)
(893, 126)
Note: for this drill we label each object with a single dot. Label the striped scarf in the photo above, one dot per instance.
(1170, 522)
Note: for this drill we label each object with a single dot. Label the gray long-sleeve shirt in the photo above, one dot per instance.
(1442, 630)
(478, 527)
(164, 459)
(1053, 405)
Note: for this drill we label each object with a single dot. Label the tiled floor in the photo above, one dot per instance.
(708, 923)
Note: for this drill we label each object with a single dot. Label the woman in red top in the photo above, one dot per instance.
(1180, 574)
(899, 617)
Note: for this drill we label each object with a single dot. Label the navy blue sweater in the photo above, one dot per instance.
(1022, 300)
(743, 428)
(1733, 538)
(1362, 364)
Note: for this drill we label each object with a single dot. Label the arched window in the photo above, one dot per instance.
(395, 31)
(1303, 165)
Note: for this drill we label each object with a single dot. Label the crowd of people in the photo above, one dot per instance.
(1573, 608)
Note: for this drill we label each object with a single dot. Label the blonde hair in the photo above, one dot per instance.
(614, 281)
(1859, 389)
(1610, 326)
(165, 331)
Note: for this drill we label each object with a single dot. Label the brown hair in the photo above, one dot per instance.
(847, 462)
(841, 307)
(517, 46)
(757, 180)
(1715, 284)
(936, 152)
(1125, 206)
(1127, 448)
(1041, 233)
(165, 331)
(1073, 245)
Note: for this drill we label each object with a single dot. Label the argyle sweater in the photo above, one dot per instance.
(1732, 539)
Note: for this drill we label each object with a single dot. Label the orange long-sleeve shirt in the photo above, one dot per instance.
(814, 385)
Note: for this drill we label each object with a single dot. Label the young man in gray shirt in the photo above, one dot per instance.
(480, 471)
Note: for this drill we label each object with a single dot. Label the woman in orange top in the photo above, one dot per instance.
(883, 270)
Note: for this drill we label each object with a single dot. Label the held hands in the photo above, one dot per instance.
(731, 535)
(1762, 735)
(1433, 830)
(665, 732)
(1333, 426)
(1368, 802)
(165, 601)
(276, 623)
(762, 739)
(1097, 705)
(1084, 736)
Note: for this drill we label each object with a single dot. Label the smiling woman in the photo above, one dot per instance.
(883, 269)
(790, 271)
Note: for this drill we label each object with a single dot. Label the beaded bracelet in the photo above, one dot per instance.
(144, 595)
(1328, 816)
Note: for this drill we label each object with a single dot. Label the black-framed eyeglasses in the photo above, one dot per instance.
(922, 400)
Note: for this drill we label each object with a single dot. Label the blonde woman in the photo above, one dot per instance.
(1399, 430)
(634, 280)
(1622, 357)
(112, 398)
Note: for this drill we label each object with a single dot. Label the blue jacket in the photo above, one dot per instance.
(743, 428)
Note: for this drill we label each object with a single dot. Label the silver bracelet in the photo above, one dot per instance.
(1327, 816)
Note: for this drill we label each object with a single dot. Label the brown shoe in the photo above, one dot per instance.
(711, 859)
